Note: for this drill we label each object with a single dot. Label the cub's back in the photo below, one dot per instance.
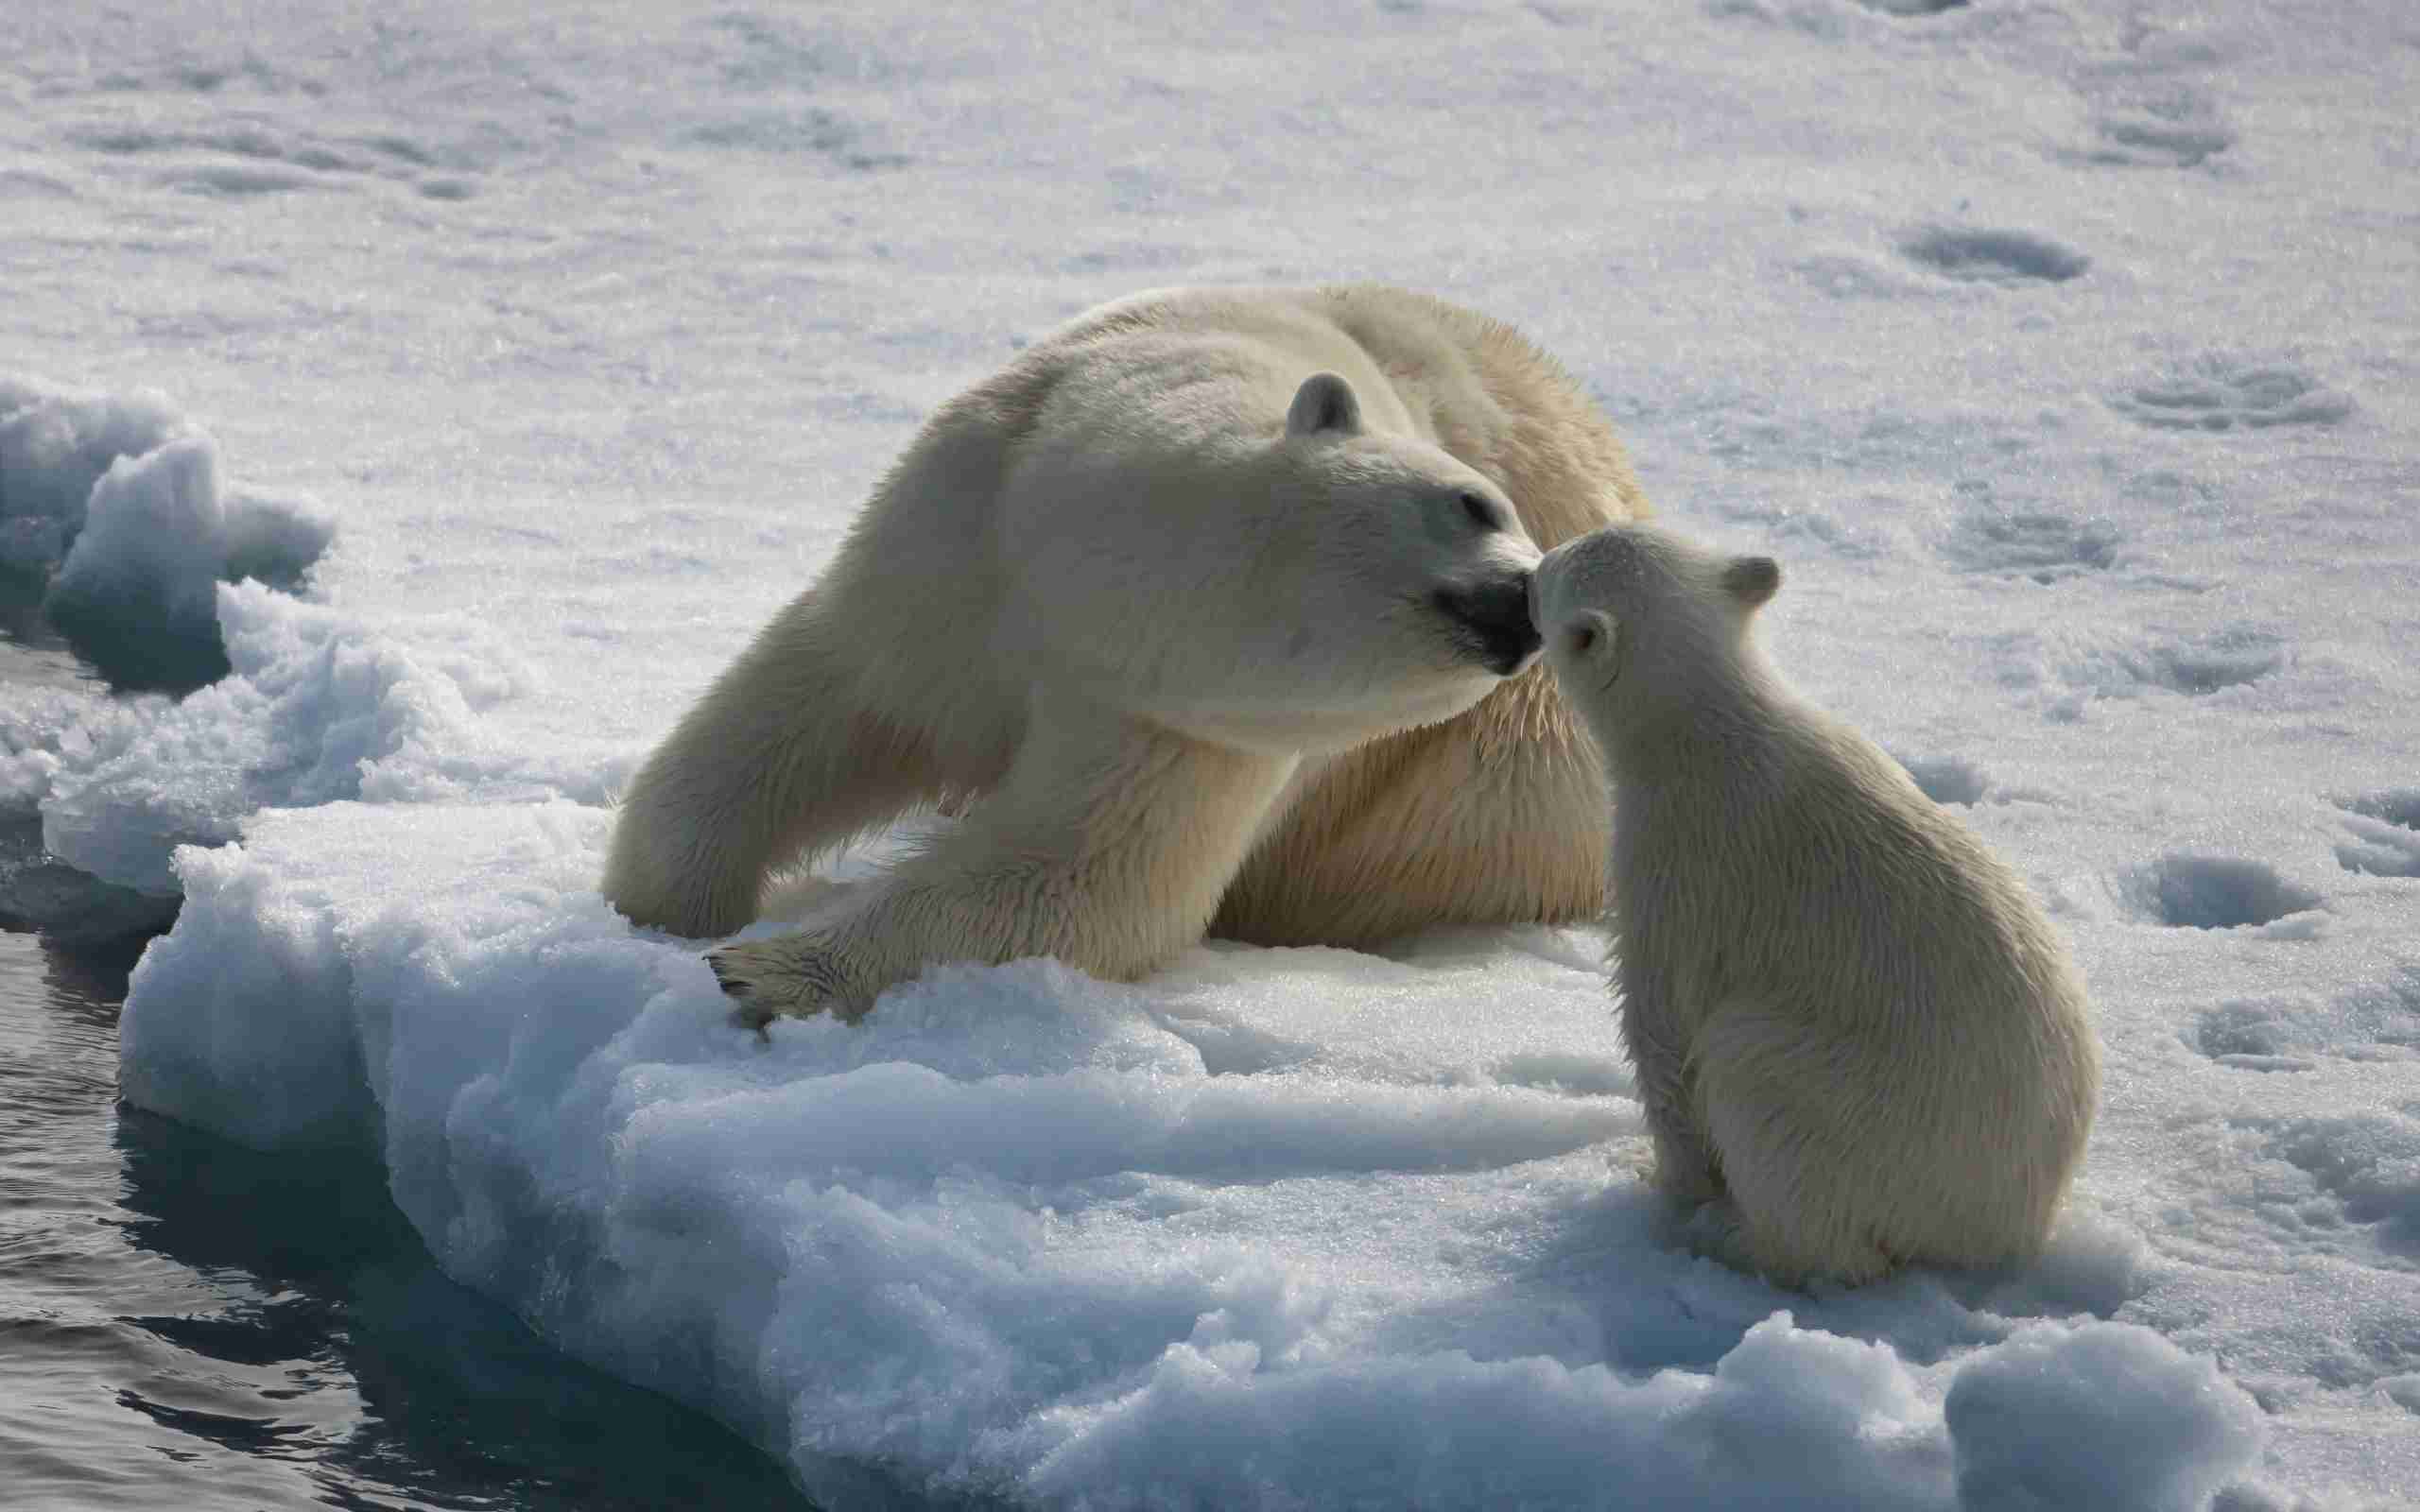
(1814, 866)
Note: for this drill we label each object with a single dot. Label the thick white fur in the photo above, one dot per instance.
(1847, 1015)
(1154, 609)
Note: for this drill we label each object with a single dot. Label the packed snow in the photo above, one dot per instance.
(456, 389)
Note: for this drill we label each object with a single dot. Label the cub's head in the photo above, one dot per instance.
(1426, 566)
(1640, 623)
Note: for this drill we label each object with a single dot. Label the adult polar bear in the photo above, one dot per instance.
(1201, 612)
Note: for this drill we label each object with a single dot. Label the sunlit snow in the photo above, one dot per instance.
(467, 382)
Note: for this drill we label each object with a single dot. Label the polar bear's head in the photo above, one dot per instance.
(1254, 562)
(1642, 625)
(1410, 570)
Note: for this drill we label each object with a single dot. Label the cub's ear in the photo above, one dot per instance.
(1324, 403)
(1751, 579)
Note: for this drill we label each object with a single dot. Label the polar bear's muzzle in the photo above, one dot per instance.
(1490, 620)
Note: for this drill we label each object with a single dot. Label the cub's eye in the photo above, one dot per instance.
(1580, 637)
(1481, 512)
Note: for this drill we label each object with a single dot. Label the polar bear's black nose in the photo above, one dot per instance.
(1492, 621)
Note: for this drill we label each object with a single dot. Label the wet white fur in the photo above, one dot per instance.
(1847, 1015)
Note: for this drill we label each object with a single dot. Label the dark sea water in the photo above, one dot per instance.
(188, 1325)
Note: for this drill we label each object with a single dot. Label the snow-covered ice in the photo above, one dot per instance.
(123, 498)
(470, 381)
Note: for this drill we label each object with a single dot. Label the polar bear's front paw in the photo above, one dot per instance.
(786, 975)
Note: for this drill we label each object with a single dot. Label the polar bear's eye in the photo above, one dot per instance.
(1481, 512)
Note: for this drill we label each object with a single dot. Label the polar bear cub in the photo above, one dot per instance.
(1847, 1017)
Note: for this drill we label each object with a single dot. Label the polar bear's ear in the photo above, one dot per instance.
(1751, 579)
(1324, 403)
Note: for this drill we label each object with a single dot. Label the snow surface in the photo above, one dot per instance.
(2064, 352)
